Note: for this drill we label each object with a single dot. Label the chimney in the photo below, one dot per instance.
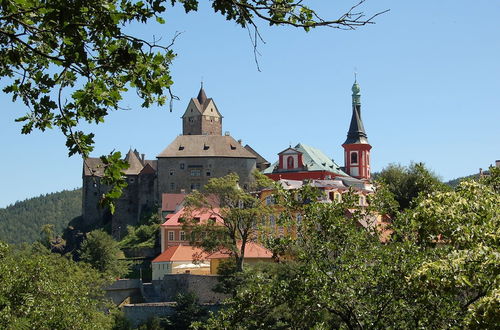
(497, 163)
(239, 141)
(142, 158)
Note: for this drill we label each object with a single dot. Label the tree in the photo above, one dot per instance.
(440, 270)
(72, 62)
(42, 290)
(407, 182)
(239, 209)
(102, 253)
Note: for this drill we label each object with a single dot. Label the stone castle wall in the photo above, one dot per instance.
(176, 174)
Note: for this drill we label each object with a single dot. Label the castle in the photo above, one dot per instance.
(202, 152)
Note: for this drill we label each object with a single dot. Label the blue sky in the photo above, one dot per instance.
(429, 73)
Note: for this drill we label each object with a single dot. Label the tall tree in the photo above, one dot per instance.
(101, 251)
(70, 62)
(240, 210)
(407, 182)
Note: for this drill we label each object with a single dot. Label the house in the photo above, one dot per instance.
(254, 253)
(180, 259)
(173, 232)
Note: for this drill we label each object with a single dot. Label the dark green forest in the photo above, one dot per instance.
(21, 222)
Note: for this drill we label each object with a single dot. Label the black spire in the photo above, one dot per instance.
(202, 97)
(356, 132)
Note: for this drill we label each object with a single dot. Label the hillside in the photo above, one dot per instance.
(453, 183)
(21, 222)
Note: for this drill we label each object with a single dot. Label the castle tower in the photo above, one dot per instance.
(202, 117)
(356, 146)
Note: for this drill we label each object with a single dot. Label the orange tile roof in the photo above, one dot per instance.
(252, 250)
(170, 202)
(203, 214)
(181, 253)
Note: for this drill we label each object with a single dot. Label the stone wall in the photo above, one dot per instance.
(200, 285)
(210, 167)
(123, 289)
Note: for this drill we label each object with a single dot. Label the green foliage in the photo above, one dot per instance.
(440, 270)
(407, 182)
(40, 290)
(186, 311)
(102, 253)
(21, 222)
(145, 234)
(239, 210)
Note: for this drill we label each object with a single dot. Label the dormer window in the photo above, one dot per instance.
(181, 147)
(205, 147)
(290, 162)
(233, 147)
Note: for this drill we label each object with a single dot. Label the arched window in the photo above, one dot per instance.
(354, 157)
(289, 162)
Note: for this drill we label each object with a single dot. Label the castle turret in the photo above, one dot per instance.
(356, 146)
(201, 116)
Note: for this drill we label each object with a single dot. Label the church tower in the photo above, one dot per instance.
(201, 116)
(356, 146)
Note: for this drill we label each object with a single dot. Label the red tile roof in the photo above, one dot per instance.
(203, 214)
(252, 250)
(181, 253)
(170, 202)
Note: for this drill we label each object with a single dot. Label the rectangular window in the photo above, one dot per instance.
(195, 172)
(209, 173)
(181, 166)
(172, 186)
(171, 236)
(272, 221)
(182, 235)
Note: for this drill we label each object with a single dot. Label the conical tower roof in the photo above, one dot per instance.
(135, 165)
(202, 97)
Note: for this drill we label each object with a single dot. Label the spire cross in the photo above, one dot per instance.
(355, 74)
(201, 82)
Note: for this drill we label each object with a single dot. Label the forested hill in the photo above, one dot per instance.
(453, 183)
(21, 222)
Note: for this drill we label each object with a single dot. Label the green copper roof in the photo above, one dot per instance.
(314, 159)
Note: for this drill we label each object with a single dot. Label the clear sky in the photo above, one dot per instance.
(429, 73)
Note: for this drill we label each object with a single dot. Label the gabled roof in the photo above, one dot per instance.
(181, 253)
(260, 159)
(203, 215)
(201, 103)
(205, 146)
(314, 160)
(252, 251)
(171, 202)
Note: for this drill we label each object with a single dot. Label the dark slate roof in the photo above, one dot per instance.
(260, 159)
(205, 146)
(202, 97)
(356, 132)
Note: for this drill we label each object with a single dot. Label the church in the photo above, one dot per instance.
(203, 152)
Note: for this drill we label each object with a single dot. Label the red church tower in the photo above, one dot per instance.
(356, 146)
